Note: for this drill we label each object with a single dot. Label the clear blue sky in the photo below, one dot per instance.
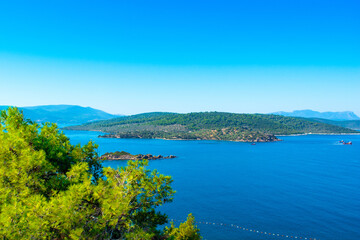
(181, 56)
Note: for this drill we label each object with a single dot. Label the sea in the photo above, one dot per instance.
(304, 187)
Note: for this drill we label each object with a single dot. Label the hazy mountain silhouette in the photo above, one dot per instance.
(336, 116)
(64, 114)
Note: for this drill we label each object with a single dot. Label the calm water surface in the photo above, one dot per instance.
(306, 186)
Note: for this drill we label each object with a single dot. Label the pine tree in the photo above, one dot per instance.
(51, 189)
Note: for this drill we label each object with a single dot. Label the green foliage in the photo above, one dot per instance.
(118, 154)
(50, 189)
(209, 125)
(186, 230)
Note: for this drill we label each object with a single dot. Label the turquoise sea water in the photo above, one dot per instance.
(305, 186)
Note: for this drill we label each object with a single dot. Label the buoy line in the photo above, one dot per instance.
(250, 230)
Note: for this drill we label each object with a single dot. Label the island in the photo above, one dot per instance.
(209, 126)
(128, 156)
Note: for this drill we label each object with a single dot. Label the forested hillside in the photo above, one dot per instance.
(208, 125)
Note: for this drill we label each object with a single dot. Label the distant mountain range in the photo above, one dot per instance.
(67, 115)
(335, 116)
(352, 124)
(64, 114)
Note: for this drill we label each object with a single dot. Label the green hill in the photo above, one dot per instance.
(208, 125)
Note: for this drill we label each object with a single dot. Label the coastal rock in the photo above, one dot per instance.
(127, 156)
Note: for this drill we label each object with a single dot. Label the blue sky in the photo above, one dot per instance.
(181, 56)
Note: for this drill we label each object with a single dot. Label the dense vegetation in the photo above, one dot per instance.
(208, 125)
(50, 189)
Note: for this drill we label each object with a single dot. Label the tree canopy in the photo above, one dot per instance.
(51, 189)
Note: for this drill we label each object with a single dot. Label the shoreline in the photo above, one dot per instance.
(278, 140)
(178, 139)
(243, 141)
(304, 134)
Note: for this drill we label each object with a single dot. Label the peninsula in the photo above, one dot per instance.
(208, 126)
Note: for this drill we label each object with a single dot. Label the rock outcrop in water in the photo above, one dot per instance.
(127, 156)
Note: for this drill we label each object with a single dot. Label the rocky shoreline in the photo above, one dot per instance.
(127, 156)
(258, 139)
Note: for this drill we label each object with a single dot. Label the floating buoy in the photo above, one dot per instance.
(250, 230)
